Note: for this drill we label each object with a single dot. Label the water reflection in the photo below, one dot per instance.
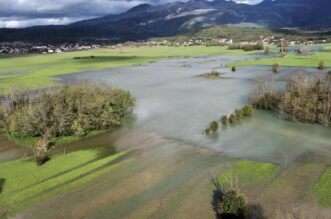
(173, 103)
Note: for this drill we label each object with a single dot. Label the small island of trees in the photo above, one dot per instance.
(305, 99)
(68, 111)
(211, 75)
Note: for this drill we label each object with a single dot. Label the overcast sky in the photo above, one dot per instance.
(23, 13)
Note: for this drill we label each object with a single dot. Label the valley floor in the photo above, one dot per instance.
(157, 178)
(282, 168)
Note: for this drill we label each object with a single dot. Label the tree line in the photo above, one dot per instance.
(245, 111)
(247, 47)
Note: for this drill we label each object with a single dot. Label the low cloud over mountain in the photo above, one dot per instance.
(23, 13)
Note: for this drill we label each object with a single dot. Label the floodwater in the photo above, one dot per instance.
(173, 103)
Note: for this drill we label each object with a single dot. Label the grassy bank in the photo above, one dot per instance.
(32, 141)
(37, 71)
(323, 188)
(247, 172)
(25, 183)
(292, 60)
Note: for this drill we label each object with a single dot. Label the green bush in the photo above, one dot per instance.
(232, 205)
(233, 69)
(239, 113)
(213, 126)
(248, 110)
(321, 65)
(224, 120)
(232, 119)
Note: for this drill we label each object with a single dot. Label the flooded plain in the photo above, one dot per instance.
(168, 172)
(173, 103)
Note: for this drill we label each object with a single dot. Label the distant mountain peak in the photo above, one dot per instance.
(145, 20)
(139, 8)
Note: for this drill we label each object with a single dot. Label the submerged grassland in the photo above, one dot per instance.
(38, 71)
(158, 179)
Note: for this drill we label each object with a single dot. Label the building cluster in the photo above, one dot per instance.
(19, 48)
(176, 43)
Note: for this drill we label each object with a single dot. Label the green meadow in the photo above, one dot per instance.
(38, 71)
(247, 172)
(26, 183)
(323, 188)
(293, 60)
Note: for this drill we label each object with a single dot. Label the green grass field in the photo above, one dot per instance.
(323, 188)
(26, 183)
(247, 172)
(292, 60)
(37, 71)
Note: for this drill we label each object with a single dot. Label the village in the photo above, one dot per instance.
(12, 49)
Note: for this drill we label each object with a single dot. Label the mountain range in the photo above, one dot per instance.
(145, 21)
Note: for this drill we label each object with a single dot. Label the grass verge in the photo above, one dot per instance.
(323, 189)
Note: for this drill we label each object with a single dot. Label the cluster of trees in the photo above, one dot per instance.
(69, 111)
(238, 114)
(247, 47)
(305, 99)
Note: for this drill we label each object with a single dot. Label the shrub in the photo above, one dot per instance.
(207, 131)
(213, 126)
(275, 68)
(232, 119)
(233, 69)
(321, 65)
(238, 113)
(224, 120)
(2, 120)
(247, 110)
(232, 205)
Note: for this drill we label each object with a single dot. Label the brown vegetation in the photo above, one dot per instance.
(275, 68)
(247, 47)
(305, 99)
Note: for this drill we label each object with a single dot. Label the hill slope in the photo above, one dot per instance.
(146, 21)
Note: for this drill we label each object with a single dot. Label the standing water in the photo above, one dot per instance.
(173, 103)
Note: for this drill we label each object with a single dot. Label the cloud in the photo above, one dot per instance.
(23, 13)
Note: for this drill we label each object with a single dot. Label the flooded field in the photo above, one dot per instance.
(173, 103)
(168, 170)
